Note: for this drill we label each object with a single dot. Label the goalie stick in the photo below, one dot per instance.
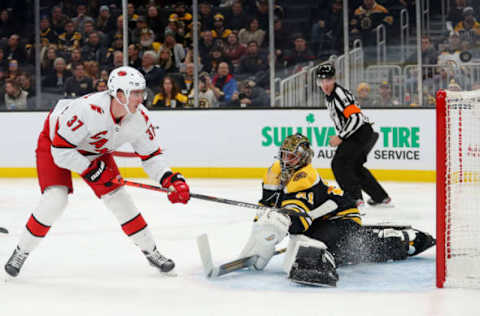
(212, 271)
(209, 198)
(3, 230)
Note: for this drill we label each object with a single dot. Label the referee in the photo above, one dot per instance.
(354, 140)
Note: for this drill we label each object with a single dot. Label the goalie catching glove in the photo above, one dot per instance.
(181, 192)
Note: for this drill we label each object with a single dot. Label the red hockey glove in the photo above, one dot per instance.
(182, 191)
(99, 173)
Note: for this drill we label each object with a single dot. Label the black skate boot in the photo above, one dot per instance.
(157, 260)
(16, 261)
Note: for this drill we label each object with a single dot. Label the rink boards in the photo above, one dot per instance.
(242, 143)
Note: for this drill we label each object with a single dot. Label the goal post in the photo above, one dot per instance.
(458, 189)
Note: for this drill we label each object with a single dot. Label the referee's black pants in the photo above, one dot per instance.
(347, 166)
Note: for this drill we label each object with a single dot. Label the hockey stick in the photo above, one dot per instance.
(210, 198)
(3, 230)
(212, 271)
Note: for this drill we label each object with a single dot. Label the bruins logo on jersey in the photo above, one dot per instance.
(299, 176)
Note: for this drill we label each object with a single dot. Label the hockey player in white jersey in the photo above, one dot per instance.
(79, 135)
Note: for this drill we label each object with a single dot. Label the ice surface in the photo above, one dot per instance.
(86, 266)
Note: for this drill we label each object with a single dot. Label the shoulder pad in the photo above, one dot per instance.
(303, 179)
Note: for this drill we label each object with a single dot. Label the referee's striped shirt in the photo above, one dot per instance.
(345, 114)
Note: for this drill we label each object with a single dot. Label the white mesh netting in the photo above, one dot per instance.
(462, 235)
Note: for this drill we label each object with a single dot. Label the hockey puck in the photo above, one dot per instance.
(3, 230)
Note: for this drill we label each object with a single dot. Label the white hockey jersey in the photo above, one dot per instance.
(82, 129)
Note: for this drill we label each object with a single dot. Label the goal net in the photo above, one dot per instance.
(458, 189)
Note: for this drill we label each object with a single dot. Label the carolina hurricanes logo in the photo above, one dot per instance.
(122, 73)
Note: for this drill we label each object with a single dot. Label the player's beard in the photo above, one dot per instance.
(146, 43)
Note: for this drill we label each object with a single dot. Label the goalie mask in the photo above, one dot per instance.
(295, 153)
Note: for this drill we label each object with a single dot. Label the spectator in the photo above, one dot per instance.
(253, 63)
(327, 30)
(300, 55)
(186, 83)
(455, 14)
(176, 28)
(177, 49)
(429, 53)
(216, 57)
(48, 59)
(88, 27)
(101, 85)
(169, 95)
(252, 33)
(366, 18)
(15, 98)
(117, 33)
(153, 74)
(47, 35)
(250, 95)
(166, 60)
(57, 19)
(261, 14)
(105, 22)
(79, 84)
(117, 45)
(155, 22)
(132, 16)
(281, 36)
(205, 15)
(70, 39)
(454, 86)
(56, 78)
(25, 82)
(104, 75)
(468, 28)
(234, 51)
(451, 53)
(205, 45)
(13, 50)
(92, 70)
(13, 69)
(79, 20)
(7, 24)
(134, 56)
(116, 62)
(385, 96)
(237, 18)
(219, 30)
(181, 11)
(140, 25)
(94, 50)
(206, 96)
(224, 85)
(75, 58)
(147, 41)
(3, 61)
(363, 94)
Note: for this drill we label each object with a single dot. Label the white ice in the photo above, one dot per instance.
(86, 266)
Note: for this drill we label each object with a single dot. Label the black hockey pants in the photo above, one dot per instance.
(347, 165)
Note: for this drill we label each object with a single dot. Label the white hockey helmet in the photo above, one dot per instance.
(127, 79)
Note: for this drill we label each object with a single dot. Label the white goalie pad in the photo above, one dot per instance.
(270, 228)
(294, 244)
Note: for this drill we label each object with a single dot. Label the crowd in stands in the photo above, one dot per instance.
(81, 42)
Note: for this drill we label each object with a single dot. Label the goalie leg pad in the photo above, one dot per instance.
(418, 241)
(313, 266)
(270, 228)
(392, 245)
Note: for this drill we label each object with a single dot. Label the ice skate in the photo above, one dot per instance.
(16, 261)
(156, 259)
(386, 203)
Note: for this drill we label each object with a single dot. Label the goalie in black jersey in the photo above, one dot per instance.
(330, 232)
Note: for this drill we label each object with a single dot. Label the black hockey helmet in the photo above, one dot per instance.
(325, 71)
